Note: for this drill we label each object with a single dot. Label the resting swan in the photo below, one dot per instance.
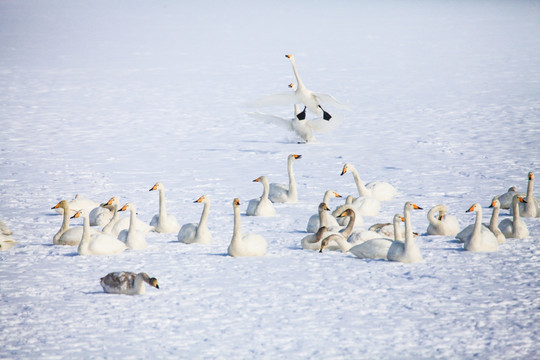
(480, 240)
(125, 282)
(515, 228)
(379, 190)
(133, 237)
(97, 243)
(530, 207)
(262, 206)
(197, 233)
(6, 241)
(79, 203)
(68, 235)
(323, 217)
(244, 245)
(441, 224)
(313, 241)
(406, 252)
(506, 198)
(163, 222)
(280, 193)
(491, 227)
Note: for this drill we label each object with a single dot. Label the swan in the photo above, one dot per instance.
(113, 204)
(530, 207)
(163, 222)
(125, 282)
(68, 235)
(480, 240)
(101, 215)
(313, 241)
(515, 228)
(343, 221)
(441, 224)
(97, 243)
(6, 241)
(262, 206)
(79, 202)
(248, 244)
(379, 190)
(323, 218)
(406, 252)
(280, 193)
(506, 198)
(197, 233)
(134, 239)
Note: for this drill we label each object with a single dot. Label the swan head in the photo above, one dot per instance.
(347, 212)
(512, 189)
(346, 168)
(113, 201)
(127, 206)
(474, 207)
(399, 217)
(62, 204)
(261, 179)
(236, 202)
(531, 175)
(80, 213)
(201, 199)
(410, 206)
(518, 199)
(290, 57)
(495, 203)
(323, 207)
(295, 156)
(157, 186)
(324, 244)
(153, 282)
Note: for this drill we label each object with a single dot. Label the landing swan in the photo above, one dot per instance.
(163, 222)
(530, 207)
(97, 243)
(244, 245)
(133, 237)
(262, 206)
(197, 233)
(506, 198)
(440, 223)
(280, 193)
(67, 235)
(125, 282)
(480, 240)
(515, 228)
(379, 190)
(323, 217)
(6, 240)
(406, 252)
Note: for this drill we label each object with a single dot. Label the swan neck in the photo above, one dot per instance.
(409, 242)
(298, 80)
(432, 218)
(477, 225)
(530, 203)
(359, 184)
(494, 218)
(138, 284)
(397, 230)
(162, 210)
(83, 245)
(204, 215)
(108, 228)
(342, 242)
(132, 220)
(237, 229)
(349, 228)
(65, 221)
(266, 189)
(293, 192)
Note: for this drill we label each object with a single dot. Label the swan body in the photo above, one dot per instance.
(280, 193)
(125, 282)
(480, 240)
(97, 243)
(68, 235)
(197, 232)
(79, 202)
(262, 206)
(101, 215)
(6, 240)
(406, 252)
(530, 207)
(244, 244)
(491, 227)
(515, 228)
(441, 224)
(163, 222)
(323, 217)
(134, 239)
(379, 190)
(506, 198)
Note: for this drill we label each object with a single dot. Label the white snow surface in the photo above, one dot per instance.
(105, 98)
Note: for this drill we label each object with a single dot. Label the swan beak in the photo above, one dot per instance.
(77, 214)
(344, 170)
(297, 156)
(288, 56)
(291, 85)
(402, 219)
(322, 248)
(124, 208)
(531, 176)
(56, 206)
(199, 199)
(325, 207)
(111, 200)
(257, 179)
(416, 207)
(522, 200)
(337, 195)
(470, 209)
(440, 217)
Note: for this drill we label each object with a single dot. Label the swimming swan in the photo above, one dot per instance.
(133, 237)
(280, 193)
(515, 228)
(163, 222)
(323, 217)
(262, 206)
(379, 190)
(125, 282)
(244, 245)
(440, 223)
(480, 240)
(68, 235)
(197, 232)
(97, 243)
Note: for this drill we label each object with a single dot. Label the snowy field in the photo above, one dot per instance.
(106, 98)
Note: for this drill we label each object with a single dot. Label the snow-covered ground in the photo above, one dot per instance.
(106, 98)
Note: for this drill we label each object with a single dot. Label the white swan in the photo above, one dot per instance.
(379, 190)
(323, 216)
(6, 240)
(440, 223)
(280, 193)
(515, 228)
(197, 232)
(406, 252)
(248, 244)
(79, 202)
(506, 198)
(113, 204)
(101, 215)
(133, 237)
(344, 220)
(262, 206)
(97, 243)
(313, 241)
(163, 222)
(125, 282)
(480, 240)
(68, 235)
(530, 207)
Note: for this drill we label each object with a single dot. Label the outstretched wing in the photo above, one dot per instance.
(323, 126)
(273, 119)
(330, 100)
(285, 98)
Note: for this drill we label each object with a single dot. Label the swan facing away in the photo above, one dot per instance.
(97, 243)
(132, 237)
(125, 282)
(480, 240)
(280, 193)
(515, 228)
(262, 206)
(506, 198)
(163, 222)
(244, 244)
(440, 223)
(6, 240)
(197, 232)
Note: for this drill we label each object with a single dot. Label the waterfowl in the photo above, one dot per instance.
(480, 240)
(323, 216)
(262, 206)
(97, 243)
(244, 244)
(163, 222)
(440, 223)
(133, 237)
(126, 282)
(280, 193)
(515, 228)
(197, 232)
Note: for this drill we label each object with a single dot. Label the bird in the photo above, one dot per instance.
(197, 232)
(262, 206)
(530, 207)
(244, 244)
(406, 252)
(133, 237)
(506, 198)
(313, 241)
(280, 193)
(479, 240)
(126, 282)
(515, 228)
(96, 243)
(68, 235)
(6, 240)
(379, 190)
(493, 222)
(441, 223)
(322, 217)
(163, 222)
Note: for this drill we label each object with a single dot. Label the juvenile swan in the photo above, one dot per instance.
(125, 282)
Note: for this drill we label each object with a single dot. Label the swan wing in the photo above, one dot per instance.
(285, 98)
(273, 119)
(330, 100)
(323, 126)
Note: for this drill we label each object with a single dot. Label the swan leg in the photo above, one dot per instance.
(326, 116)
